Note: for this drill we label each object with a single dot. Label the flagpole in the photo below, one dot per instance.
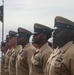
(2, 25)
(3, 22)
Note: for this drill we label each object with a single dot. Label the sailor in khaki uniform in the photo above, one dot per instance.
(39, 59)
(24, 56)
(12, 61)
(9, 52)
(3, 50)
(61, 61)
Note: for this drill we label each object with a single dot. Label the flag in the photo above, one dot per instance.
(1, 13)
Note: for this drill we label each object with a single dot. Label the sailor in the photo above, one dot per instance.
(40, 37)
(61, 61)
(24, 56)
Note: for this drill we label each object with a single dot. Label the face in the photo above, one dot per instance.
(7, 44)
(37, 38)
(22, 40)
(13, 40)
(3, 49)
(60, 36)
(35, 45)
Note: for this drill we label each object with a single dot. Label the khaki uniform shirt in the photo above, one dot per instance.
(12, 61)
(2, 64)
(7, 58)
(61, 62)
(23, 60)
(39, 60)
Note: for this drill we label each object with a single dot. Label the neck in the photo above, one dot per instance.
(25, 44)
(10, 47)
(15, 46)
(61, 45)
(42, 43)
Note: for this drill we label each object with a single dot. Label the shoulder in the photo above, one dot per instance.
(69, 54)
(48, 49)
(31, 47)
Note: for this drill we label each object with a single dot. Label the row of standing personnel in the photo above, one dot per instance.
(40, 57)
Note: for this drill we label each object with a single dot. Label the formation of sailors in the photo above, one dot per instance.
(20, 57)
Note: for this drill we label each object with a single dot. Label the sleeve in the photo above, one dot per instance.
(29, 54)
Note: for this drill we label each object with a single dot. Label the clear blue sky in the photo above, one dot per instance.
(24, 13)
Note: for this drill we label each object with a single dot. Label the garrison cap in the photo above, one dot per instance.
(39, 28)
(63, 23)
(23, 32)
(12, 34)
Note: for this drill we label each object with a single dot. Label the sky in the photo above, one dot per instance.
(24, 13)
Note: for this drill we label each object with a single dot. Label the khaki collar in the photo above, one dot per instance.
(43, 47)
(26, 46)
(66, 46)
